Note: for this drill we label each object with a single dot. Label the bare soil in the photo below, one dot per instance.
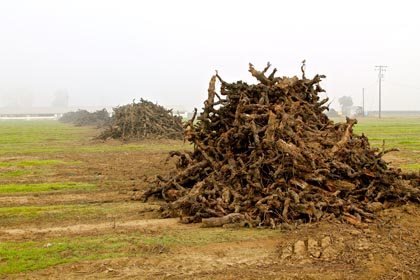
(388, 248)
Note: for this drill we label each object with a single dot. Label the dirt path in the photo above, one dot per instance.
(113, 225)
(63, 198)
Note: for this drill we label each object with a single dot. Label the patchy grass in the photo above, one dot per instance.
(29, 167)
(414, 167)
(36, 163)
(23, 172)
(25, 256)
(45, 187)
(206, 236)
(57, 214)
(132, 147)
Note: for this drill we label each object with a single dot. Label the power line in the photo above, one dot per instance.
(380, 68)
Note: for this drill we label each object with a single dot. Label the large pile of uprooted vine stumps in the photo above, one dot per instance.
(267, 154)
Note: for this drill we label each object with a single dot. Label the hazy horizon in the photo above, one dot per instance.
(107, 53)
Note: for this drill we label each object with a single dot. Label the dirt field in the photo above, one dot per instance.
(156, 248)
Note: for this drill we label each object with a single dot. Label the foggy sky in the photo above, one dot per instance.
(110, 52)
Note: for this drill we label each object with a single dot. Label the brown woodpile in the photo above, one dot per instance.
(144, 120)
(98, 118)
(267, 154)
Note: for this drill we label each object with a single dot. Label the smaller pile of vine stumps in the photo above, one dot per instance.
(98, 118)
(143, 120)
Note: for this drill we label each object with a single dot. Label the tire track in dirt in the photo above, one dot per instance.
(15, 234)
(62, 198)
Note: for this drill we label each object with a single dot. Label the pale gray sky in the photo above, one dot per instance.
(107, 52)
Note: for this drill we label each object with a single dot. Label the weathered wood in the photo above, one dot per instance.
(143, 120)
(267, 154)
(220, 221)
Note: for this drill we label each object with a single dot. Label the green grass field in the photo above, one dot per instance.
(44, 187)
(393, 132)
(39, 136)
(46, 137)
(402, 133)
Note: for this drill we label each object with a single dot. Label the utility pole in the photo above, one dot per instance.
(363, 101)
(380, 68)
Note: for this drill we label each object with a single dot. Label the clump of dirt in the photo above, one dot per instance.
(98, 118)
(267, 154)
(143, 120)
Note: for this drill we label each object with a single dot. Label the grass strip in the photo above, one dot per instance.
(45, 187)
(17, 215)
(34, 255)
(36, 163)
